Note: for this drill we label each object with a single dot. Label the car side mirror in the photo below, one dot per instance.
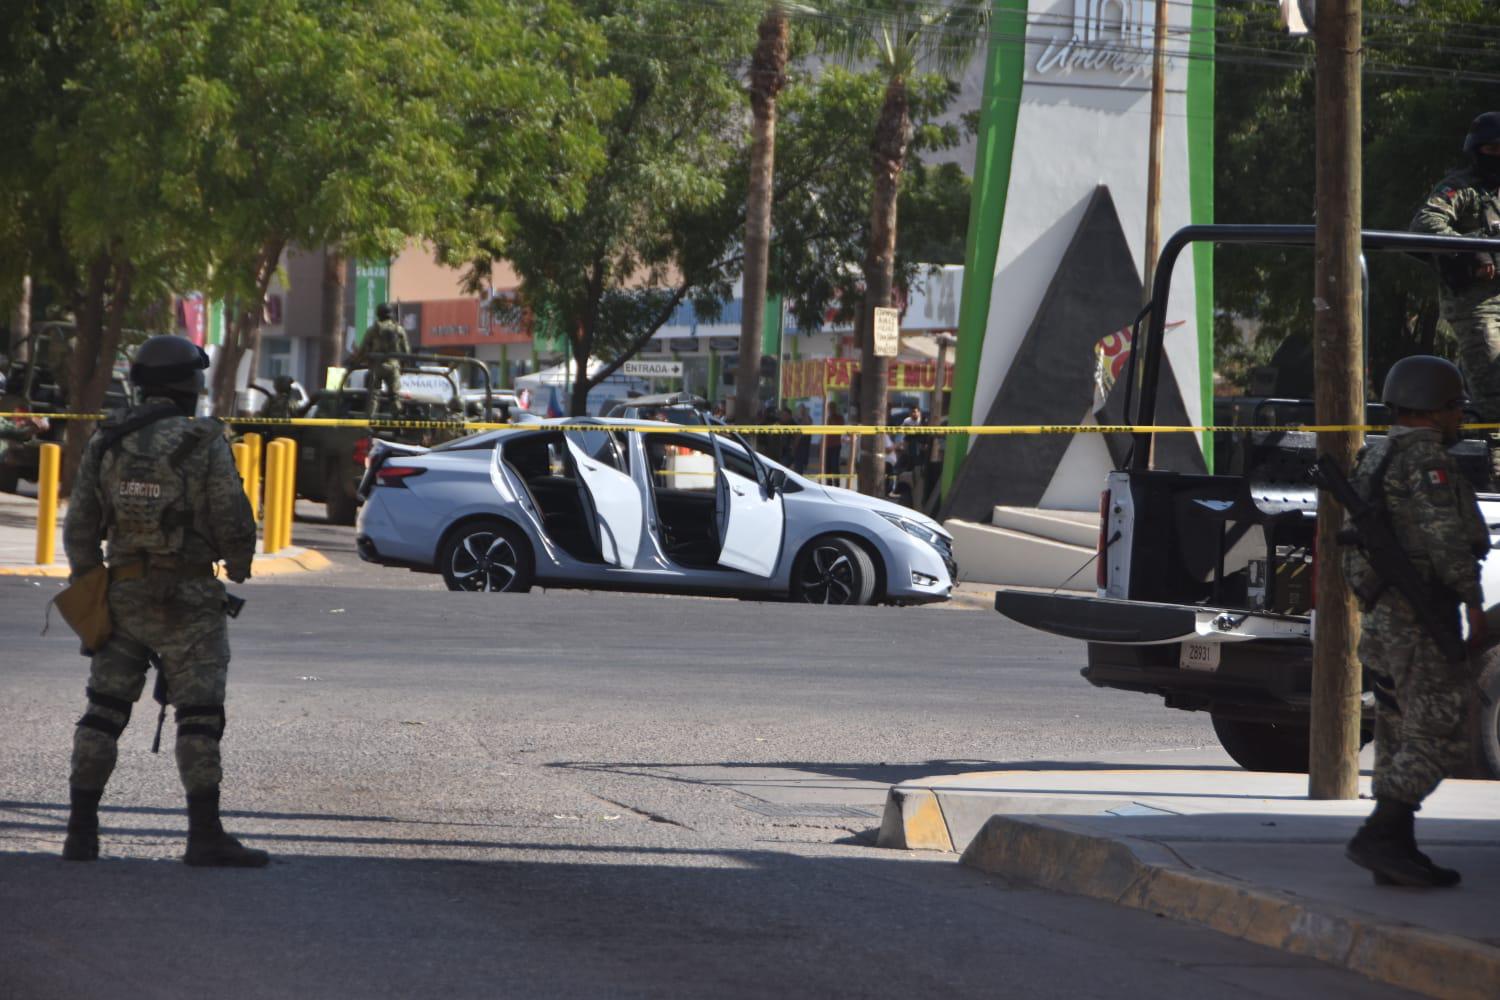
(775, 481)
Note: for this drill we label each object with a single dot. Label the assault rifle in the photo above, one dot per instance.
(1371, 531)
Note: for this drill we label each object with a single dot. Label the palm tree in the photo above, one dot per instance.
(903, 37)
(767, 77)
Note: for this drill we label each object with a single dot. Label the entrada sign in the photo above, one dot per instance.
(653, 369)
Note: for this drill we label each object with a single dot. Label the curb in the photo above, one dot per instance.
(1053, 854)
(289, 560)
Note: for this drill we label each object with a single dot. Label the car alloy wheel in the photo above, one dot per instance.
(489, 557)
(834, 571)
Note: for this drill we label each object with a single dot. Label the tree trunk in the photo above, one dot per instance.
(101, 318)
(20, 323)
(581, 341)
(240, 332)
(331, 344)
(767, 78)
(892, 135)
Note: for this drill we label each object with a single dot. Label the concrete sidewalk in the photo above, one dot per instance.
(18, 546)
(1243, 853)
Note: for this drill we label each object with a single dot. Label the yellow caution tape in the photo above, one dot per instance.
(835, 430)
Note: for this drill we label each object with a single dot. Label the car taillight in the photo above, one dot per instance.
(397, 475)
(1101, 548)
(361, 453)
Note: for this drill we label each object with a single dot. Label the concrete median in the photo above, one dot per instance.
(1243, 854)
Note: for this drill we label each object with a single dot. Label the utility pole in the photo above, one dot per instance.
(1338, 373)
(1153, 164)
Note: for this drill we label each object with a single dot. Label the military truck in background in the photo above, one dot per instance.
(331, 459)
(1205, 592)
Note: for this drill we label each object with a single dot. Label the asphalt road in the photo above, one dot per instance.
(571, 794)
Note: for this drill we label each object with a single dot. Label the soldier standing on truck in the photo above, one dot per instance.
(1465, 203)
(1421, 697)
(384, 337)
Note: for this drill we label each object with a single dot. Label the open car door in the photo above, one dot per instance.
(611, 496)
(751, 518)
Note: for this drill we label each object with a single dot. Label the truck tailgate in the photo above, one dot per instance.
(1103, 619)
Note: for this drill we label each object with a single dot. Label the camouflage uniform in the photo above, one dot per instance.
(383, 337)
(11, 432)
(1421, 699)
(174, 608)
(1464, 205)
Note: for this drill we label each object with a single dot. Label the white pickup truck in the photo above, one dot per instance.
(1205, 582)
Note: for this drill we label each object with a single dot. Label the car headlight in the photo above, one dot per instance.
(915, 528)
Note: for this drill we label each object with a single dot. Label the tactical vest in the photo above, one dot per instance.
(146, 494)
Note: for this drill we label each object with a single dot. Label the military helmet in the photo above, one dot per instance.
(283, 383)
(1425, 383)
(384, 311)
(169, 362)
(1484, 130)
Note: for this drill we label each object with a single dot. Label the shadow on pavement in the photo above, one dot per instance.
(879, 773)
(561, 920)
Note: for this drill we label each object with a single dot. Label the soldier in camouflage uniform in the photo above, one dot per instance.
(1421, 698)
(1465, 203)
(161, 487)
(280, 405)
(384, 336)
(9, 431)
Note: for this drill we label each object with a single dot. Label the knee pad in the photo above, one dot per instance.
(96, 720)
(201, 720)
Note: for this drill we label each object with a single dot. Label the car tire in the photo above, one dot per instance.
(1264, 746)
(833, 570)
(10, 478)
(487, 555)
(342, 506)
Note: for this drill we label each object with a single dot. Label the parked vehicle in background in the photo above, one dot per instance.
(331, 459)
(1205, 582)
(37, 381)
(604, 504)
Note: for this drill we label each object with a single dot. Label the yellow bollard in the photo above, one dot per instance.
(289, 489)
(252, 481)
(242, 466)
(46, 504)
(271, 529)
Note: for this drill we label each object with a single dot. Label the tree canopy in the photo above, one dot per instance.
(1427, 73)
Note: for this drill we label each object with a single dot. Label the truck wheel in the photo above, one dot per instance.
(341, 504)
(1489, 719)
(10, 478)
(1264, 746)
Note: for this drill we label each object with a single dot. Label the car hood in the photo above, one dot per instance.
(853, 499)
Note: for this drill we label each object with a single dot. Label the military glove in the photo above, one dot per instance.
(239, 573)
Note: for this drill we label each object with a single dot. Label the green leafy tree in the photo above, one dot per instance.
(184, 143)
(652, 228)
(1427, 73)
(902, 37)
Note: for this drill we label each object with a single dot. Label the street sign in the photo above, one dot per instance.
(887, 332)
(372, 282)
(653, 369)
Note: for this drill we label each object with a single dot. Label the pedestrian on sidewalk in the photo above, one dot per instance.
(1422, 700)
(160, 486)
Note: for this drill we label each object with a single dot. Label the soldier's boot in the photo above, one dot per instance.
(1382, 845)
(82, 843)
(1442, 878)
(208, 846)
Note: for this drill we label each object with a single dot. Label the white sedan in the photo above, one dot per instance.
(603, 504)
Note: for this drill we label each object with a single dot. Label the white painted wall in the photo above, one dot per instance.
(1077, 129)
